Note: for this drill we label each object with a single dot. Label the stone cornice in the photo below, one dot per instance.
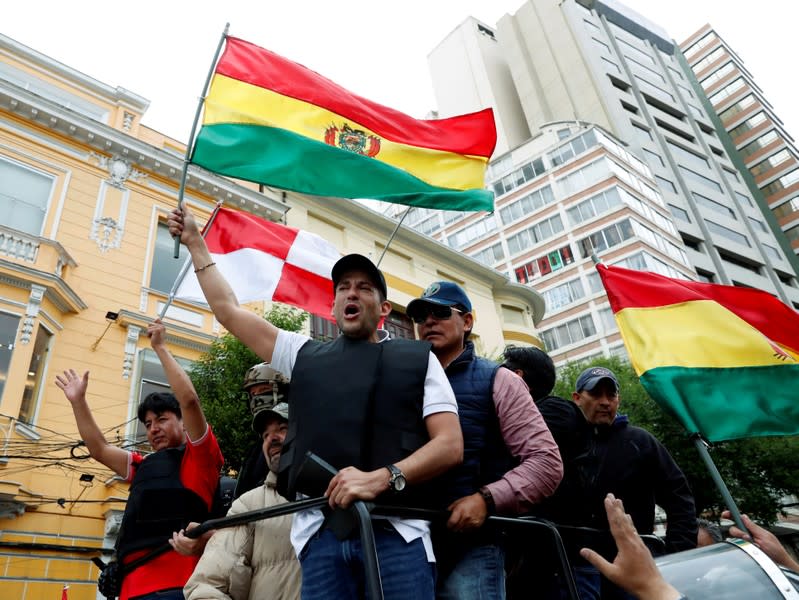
(177, 334)
(82, 130)
(60, 70)
(58, 291)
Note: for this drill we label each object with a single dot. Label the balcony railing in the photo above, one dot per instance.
(23, 246)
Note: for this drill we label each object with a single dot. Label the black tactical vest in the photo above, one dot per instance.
(158, 503)
(354, 403)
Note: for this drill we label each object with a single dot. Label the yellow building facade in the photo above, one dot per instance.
(86, 263)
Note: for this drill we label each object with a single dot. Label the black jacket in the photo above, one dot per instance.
(621, 459)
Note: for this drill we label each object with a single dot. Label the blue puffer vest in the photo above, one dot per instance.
(485, 456)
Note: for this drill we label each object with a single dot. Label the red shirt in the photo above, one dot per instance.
(199, 472)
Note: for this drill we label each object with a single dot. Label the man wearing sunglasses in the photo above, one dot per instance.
(510, 460)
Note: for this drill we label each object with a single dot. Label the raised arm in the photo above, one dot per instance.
(256, 333)
(193, 417)
(74, 388)
(763, 539)
(633, 569)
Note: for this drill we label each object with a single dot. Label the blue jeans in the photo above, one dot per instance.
(478, 575)
(334, 569)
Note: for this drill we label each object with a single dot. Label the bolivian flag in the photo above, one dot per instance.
(722, 359)
(273, 121)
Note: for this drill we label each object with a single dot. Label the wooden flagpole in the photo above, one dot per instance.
(190, 144)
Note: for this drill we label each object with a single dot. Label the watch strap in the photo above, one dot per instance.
(485, 493)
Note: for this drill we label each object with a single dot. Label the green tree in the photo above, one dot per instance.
(758, 471)
(218, 375)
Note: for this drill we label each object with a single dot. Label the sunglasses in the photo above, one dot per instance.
(439, 312)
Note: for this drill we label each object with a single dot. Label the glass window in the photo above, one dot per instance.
(8, 339)
(687, 157)
(653, 158)
(563, 294)
(710, 58)
(758, 144)
(666, 185)
(713, 205)
(758, 224)
(323, 329)
(399, 325)
(717, 75)
(36, 371)
(471, 233)
(738, 107)
(787, 208)
(526, 205)
(727, 233)
(679, 213)
(535, 234)
(701, 179)
(165, 268)
(727, 91)
(771, 162)
(747, 125)
(702, 42)
(568, 333)
(745, 199)
(772, 252)
(24, 197)
(491, 255)
(780, 184)
(642, 133)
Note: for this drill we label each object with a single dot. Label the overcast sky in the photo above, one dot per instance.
(162, 50)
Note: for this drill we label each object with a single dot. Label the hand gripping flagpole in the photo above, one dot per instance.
(190, 146)
(187, 263)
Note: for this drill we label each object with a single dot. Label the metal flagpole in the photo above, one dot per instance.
(190, 145)
(701, 446)
(187, 263)
(391, 238)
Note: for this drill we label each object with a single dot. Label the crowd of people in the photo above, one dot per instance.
(422, 424)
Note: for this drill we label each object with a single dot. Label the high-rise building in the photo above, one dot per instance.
(757, 134)
(678, 203)
(470, 71)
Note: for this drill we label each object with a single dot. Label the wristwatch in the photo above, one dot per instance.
(485, 493)
(397, 482)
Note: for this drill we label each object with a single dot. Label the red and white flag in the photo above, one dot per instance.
(262, 260)
(64, 592)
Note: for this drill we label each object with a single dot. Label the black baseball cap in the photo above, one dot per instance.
(358, 262)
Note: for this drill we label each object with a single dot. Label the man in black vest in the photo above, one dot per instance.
(380, 411)
(169, 488)
(510, 460)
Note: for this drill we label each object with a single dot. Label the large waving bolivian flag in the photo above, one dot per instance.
(722, 359)
(273, 121)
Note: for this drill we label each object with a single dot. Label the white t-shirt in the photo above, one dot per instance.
(438, 397)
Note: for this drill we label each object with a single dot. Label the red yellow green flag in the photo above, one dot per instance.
(273, 121)
(721, 359)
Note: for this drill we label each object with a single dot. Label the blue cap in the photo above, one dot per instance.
(589, 378)
(445, 293)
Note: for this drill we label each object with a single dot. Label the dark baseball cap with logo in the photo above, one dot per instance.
(444, 293)
(358, 262)
(589, 379)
